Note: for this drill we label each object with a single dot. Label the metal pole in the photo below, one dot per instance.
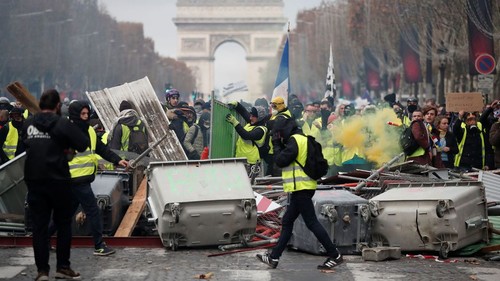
(442, 68)
(377, 172)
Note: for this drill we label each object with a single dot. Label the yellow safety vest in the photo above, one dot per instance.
(103, 163)
(246, 148)
(294, 178)
(311, 130)
(462, 142)
(10, 144)
(85, 163)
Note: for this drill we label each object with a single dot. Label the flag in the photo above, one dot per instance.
(371, 70)
(331, 88)
(282, 85)
(410, 56)
(480, 29)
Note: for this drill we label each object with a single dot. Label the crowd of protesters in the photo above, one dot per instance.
(455, 140)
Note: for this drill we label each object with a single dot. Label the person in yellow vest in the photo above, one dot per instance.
(310, 123)
(103, 135)
(10, 139)
(290, 147)
(252, 135)
(129, 132)
(83, 168)
(470, 135)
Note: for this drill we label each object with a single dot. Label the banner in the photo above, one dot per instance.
(480, 29)
(282, 85)
(411, 58)
(371, 70)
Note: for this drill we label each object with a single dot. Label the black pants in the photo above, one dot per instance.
(301, 204)
(84, 196)
(45, 199)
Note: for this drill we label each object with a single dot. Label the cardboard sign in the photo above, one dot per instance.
(468, 102)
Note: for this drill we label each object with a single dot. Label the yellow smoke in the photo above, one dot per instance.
(370, 135)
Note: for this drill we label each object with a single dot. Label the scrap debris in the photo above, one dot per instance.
(204, 276)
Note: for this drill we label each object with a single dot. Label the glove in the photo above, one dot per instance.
(178, 112)
(276, 139)
(232, 104)
(231, 119)
(193, 155)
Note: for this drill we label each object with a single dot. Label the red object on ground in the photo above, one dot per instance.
(204, 154)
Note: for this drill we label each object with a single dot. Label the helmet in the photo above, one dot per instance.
(412, 99)
(171, 93)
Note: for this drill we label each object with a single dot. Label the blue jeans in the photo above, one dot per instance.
(84, 196)
(44, 199)
(301, 204)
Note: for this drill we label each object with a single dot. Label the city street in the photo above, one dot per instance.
(186, 264)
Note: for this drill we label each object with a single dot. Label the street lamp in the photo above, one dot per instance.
(442, 54)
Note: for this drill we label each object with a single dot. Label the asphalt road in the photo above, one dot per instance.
(185, 264)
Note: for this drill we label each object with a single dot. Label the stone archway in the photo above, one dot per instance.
(203, 25)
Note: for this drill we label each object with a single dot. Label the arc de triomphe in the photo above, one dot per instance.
(203, 25)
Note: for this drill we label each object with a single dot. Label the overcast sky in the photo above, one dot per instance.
(156, 15)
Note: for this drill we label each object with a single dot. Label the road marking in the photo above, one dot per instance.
(261, 275)
(121, 274)
(362, 272)
(7, 272)
(483, 273)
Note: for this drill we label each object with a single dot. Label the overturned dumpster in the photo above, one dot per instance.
(440, 217)
(199, 203)
(12, 194)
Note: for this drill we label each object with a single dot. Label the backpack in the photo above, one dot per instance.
(316, 165)
(407, 140)
(138, 140)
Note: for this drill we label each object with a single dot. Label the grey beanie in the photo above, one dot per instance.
(259, 112)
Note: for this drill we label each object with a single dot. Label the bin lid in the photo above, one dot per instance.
(205, 180)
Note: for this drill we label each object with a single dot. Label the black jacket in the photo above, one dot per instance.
(47, 138)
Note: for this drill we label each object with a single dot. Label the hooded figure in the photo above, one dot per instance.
(128, 133)
(204, 124)
(74, 110)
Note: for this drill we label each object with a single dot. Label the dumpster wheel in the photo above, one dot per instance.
(444, 250)
(174, 244)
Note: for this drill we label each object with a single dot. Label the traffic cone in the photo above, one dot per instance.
(204, 154)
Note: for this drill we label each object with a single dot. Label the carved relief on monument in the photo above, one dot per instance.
(217, 39)
(193, 44)
(265, 44)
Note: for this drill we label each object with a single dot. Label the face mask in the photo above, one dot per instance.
(274, 111)
(411, 108)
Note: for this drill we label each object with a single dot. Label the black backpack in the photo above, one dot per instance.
(316, 165)
(138, 140)
(407, 140)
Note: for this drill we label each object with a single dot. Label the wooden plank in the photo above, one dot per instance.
(134, 211)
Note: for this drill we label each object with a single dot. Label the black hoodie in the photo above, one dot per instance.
(75, 108)
(47, 136)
